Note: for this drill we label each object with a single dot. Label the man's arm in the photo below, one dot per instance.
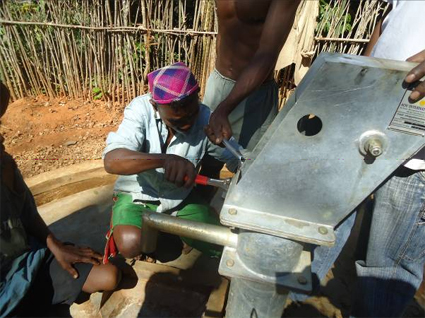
(377, 31)
(123, 154)
(177, 169)
(66, 255)
(276, 28)
(374, 37)
(127, 162)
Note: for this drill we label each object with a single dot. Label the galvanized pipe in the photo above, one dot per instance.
(249, 299)
(214, 234)
(149, 238)
(266, 256)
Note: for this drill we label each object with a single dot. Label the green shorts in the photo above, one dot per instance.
(126, 212)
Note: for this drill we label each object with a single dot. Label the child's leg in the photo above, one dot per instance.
(195, 209)
(53, 285)
(104, 277)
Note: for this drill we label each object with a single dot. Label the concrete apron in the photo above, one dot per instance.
(188, 286)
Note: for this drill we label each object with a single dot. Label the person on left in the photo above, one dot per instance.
(36, 269)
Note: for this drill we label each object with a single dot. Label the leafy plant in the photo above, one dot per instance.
(334, 17)
(97, 93)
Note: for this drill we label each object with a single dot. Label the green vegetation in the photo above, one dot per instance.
(334, 16)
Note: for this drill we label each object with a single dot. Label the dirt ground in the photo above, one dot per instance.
(44, 135)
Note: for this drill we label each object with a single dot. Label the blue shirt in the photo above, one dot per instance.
(143, 130)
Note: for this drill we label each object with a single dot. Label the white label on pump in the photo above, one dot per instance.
(409, 118)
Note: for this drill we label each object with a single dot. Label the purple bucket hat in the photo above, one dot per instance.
(171, 83)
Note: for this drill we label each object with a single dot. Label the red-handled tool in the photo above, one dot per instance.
(202, 180)
(219, 183)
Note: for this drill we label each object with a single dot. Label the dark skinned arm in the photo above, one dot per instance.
(127, 162)
(276, 29)
(66, 255)
(374, 38)
(376, 32)
(178, 170)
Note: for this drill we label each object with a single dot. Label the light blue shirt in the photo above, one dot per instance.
(143, 130)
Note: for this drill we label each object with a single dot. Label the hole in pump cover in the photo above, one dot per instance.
(309, 125)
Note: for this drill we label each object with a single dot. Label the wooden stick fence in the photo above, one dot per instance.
(101, 48)
(104, 49)
(139, 28)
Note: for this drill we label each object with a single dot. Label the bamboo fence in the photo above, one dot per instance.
(104, 49)
(101, 48)
(333, 33)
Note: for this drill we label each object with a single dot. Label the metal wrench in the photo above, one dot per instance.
(234, 151)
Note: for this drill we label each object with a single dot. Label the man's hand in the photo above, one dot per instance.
(415, 75)
(218, 126)
(179, 170)
(68, 255)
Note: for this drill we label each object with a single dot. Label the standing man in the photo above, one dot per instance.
(241, 91)
(394, 265)
(393, 269)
